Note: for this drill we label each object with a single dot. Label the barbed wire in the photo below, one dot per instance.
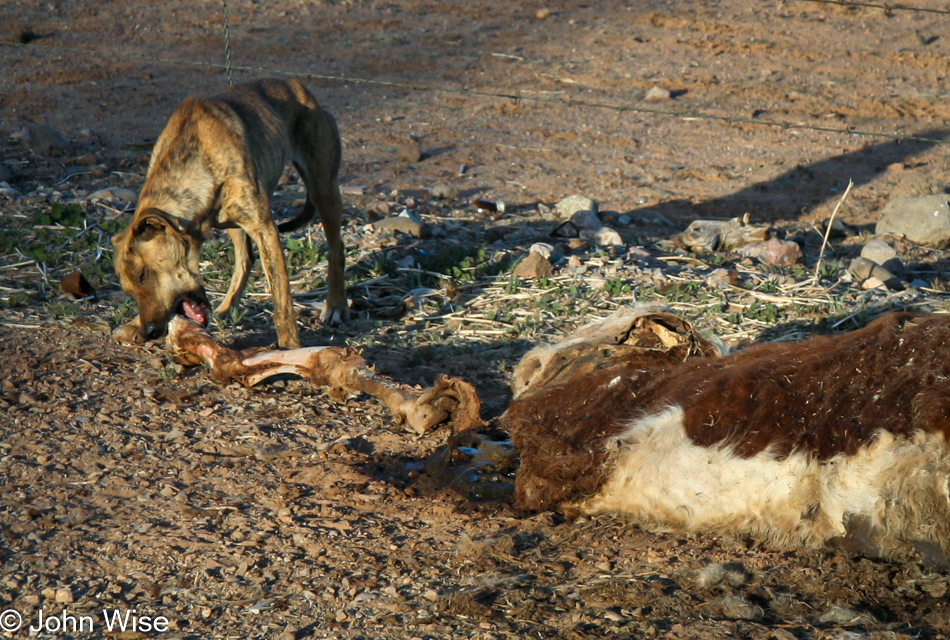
(516, 97)
(887, 8)
(227, 39)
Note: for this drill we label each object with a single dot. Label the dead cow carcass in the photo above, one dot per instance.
(838, 440)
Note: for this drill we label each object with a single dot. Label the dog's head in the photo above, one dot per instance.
(156, 260)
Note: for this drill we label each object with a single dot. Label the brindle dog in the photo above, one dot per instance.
(214, 167)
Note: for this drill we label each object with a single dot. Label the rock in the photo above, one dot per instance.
(542, 248)
(924, 220)
(586, 219)
(570, 205)
(76, 285)
(534, 266)
(838, 228)
(542, 14)
(86, 160)
(773, 252)
(409, 151)
(864, 269)
(444, 192)
(352, 189)
(45, 138)
(114, 193)
(873, 283)
(883, 254)
(402, 224)
(658, 94)
(566, 230)
(713, 235)
(722, 279)
(602, 237)
(64, 596)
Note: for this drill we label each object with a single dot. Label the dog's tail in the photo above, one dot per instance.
(302, 219)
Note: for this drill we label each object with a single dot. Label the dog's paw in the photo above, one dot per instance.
(129, 333)
(335, 314)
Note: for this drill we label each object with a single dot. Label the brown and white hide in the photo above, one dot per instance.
(835, 440)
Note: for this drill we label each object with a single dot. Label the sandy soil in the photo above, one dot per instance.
(127, 483)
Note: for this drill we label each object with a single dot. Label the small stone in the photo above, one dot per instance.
(542, 248)
(865, 269)
(773, 252)
(838, 228)
(76, 285)
(114, 193)
(542, 14)
(409, 151)
(402, 224)
(444, 192)
(923, 220)
(533, 266)
(658, 94)
(64, 596)
(722, 279)
(586, 219)
(873, 283)
(603, 237)
(83, 160)
(340, 616)
(570, 205)
(883, 254)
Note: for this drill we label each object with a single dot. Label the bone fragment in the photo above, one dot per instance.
(344, 371)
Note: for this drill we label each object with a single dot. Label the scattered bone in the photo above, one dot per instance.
(342, 370)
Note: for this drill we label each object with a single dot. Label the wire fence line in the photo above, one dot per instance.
(886, 7)
(513, 96)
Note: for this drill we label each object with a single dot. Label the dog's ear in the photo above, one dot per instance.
(153, 223)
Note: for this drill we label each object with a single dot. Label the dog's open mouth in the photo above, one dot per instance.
(196, 311)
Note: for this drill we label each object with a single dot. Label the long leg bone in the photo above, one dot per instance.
(342, 370)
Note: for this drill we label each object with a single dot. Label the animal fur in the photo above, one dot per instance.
(832, 440)
(213, 167)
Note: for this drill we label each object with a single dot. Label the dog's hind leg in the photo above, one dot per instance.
(319, 166)
(243, 259)
(330, 207)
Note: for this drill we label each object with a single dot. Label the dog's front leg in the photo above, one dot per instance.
(272, 259)
(242, 269)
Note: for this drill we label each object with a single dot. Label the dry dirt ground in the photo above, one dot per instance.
(127, 483)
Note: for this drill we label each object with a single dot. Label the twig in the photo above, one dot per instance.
(831, 221)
